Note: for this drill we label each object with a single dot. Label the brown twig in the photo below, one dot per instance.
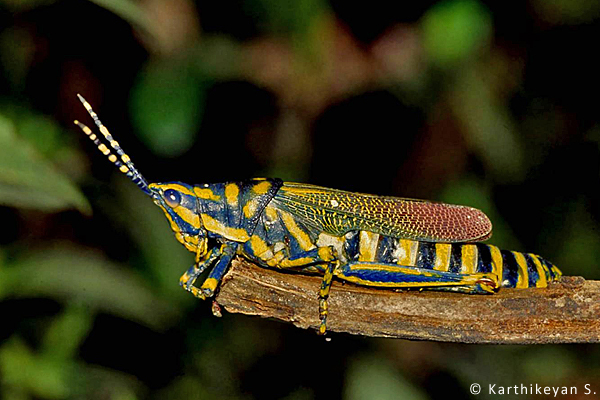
(565, 312)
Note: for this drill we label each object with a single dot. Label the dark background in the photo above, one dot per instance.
(488, 104)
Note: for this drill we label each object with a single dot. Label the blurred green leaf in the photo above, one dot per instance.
(41, 132)
(128, 10)
(454, 30)
(549, 365)
(168, 104)
(187, 387)
(219, 58)
(579, 242)
(285, 17)
(28, 180)
(17, 49)
(371, 378)
(489, 127)
(23, 5)
(75, 275)
(567, 11)
(38, 375)
(67, 331)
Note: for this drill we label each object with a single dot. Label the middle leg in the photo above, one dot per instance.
(323, 259)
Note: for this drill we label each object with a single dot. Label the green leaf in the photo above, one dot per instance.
(372, 378)
(73, 275)
(286, 17)
(67, 332)
(168, 103)
(488, 125)
(41, 376)
(453, 30)
(128, 10)
(28, 180)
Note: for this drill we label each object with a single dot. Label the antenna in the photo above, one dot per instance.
(123, 162)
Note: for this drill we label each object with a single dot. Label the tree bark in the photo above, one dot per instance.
(565, 312)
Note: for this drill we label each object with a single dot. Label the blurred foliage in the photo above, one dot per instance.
(26, 178)
(455, 31)
(472, 102)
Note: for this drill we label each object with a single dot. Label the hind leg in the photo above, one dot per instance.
(397, 276)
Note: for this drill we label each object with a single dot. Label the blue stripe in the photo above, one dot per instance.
(425, 255)
(455, 258)
(534, 275)
(351, 245)
(510, 268)
(398, 277)
(484, 259)
(385, 249)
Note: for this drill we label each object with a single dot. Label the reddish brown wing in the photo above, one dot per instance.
(337, 212)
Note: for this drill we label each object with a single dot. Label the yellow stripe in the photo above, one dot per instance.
(260, 248)
(557, 272)
(367, 249)
(542, 281)
(442, 256)
(390, 268)
(523, 279)
(104, 130)
(181, 240)
(408, 252)
(86, 104)
(301, 236)
(298, 262)
(497, 265)
(359, 281)
(326, 254)
(206, 194)
(188, 216)
(192, 243)
(232, 192)
(210, 283)
(104, 149)
(173, 186)
(213, 225)
(271, 213)
(250, 208)
(193, 240)
(468, 264)
(262, 187)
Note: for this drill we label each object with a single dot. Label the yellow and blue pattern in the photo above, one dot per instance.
(369, 240)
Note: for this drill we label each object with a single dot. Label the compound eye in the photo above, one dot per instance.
(172, 197)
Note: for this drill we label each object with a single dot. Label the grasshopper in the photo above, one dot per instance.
(369, 240)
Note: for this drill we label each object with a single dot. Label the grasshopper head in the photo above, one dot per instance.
(180, 205)
(177, 200)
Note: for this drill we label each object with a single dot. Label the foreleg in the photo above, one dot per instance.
(223, 256)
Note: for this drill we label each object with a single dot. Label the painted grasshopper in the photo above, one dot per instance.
(369, 240)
